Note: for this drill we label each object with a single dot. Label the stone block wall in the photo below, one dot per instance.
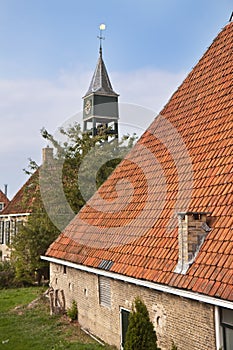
(190, 324)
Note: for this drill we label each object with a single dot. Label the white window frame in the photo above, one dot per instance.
(127, 310)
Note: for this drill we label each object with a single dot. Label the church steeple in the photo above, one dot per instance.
(100, 107)
(100, 82)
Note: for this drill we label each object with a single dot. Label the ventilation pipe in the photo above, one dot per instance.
(5, 189)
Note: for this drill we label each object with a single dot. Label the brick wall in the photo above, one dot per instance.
(191, 235)
(189, 323)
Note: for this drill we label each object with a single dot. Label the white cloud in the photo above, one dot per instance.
(28, 105)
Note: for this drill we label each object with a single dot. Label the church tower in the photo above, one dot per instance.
(100, 103)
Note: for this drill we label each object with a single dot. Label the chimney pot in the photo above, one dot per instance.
(47, 155)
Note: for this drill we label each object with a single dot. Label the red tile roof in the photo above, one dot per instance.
(21, 203)
(3, 198)
(184, 161)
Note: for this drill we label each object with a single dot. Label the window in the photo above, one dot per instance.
(64, 269)
(227, 326)
(7, 232)
(105, 264)
(1, 206)
(1, 232)
(124, 325)
(105, 291)
(13, 229)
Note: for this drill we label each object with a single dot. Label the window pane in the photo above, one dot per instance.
(1, 232)
(7, 232)
(227, 316)
(229, 338)
(124, 325)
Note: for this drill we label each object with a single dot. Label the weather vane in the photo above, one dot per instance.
(100, 37)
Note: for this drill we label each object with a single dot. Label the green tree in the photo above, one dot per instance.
(86, 159)
(140, 334)
(78, 156)
(32, 241)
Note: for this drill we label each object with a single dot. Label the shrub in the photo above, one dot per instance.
(140, 334)
(72, 312)
(7, 275)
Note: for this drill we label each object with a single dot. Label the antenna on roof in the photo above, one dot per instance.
(231, 18)
(101, 27)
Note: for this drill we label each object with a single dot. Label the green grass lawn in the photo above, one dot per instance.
(23, 328)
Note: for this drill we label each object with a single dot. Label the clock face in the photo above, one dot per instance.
(87, 107)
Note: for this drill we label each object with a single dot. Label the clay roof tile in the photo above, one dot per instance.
(183, 162)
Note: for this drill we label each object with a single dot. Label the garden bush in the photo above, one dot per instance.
(140, 334)
(72, 312)
(7, 275)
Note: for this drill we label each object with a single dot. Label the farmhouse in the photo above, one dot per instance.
(15, 212)
(3, 199)
(161, 226)
(12, 216)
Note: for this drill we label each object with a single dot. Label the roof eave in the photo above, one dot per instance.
(144, 283)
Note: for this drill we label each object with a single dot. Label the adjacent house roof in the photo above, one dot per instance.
(100, 82)
(183, 162)
(21, 203)
(3, 198)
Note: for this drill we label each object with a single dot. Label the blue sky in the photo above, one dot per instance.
(49, 50)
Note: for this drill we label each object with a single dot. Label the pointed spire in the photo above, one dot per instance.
(100, 82)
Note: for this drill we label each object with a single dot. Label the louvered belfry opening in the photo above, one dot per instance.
(192, 231)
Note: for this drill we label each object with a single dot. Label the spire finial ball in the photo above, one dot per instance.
(102, 26)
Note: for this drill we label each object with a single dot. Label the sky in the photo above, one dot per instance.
(49, 50)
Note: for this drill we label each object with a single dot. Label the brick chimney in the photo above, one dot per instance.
(192, 230)
(47, 155)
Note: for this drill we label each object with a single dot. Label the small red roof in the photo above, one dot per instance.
(183, 162)
(21, 203)
(3, 198)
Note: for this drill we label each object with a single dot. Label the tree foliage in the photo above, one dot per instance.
(32, 241)
(140, 334)
(7, 275)
(77, 159)
(86, 159)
